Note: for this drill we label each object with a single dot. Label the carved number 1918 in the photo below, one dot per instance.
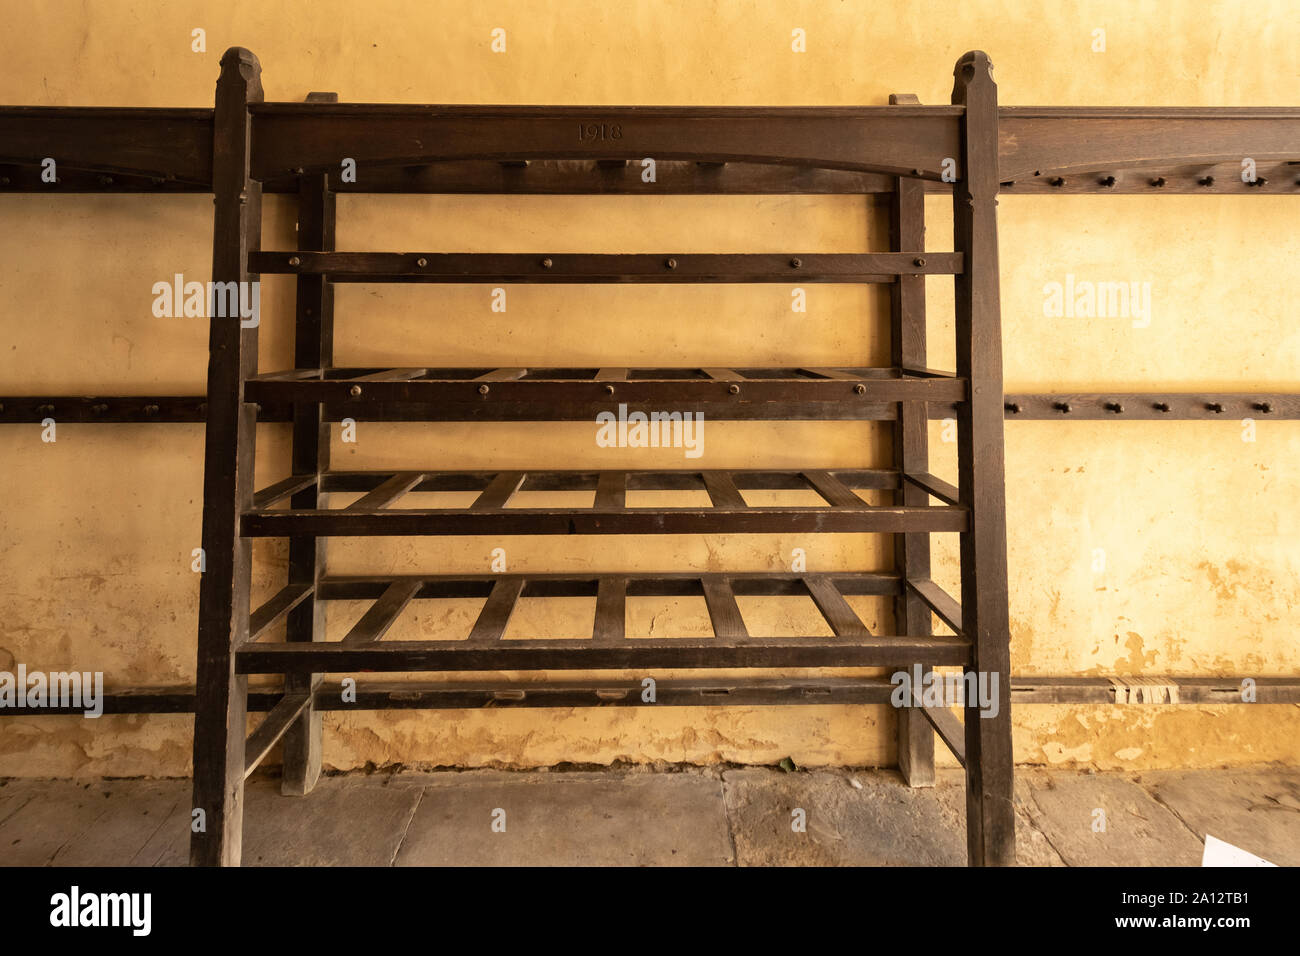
(599, 131)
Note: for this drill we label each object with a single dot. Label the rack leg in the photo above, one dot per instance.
(911, 455)
(313, 348)
(222, 695)
(990, 814)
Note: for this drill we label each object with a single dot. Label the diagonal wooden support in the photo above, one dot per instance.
(836, 493)
(843, 620)
(723, 491)
(939, 601)
(383, 614)
(388, 492)
(274, 726)
(498, 492)
(270, 613)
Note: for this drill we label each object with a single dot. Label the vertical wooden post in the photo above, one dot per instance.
(313, 348)
(911, 456)
(221, 707)
(990, 815)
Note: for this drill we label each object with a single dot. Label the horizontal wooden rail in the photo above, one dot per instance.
(577, 394)
(1102, 151)
(605, 267)
(1020, 406)
(698, 692)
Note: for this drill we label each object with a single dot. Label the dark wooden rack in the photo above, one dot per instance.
(906, 143)
(245, 147)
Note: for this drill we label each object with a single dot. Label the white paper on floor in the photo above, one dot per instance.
(1218, 853)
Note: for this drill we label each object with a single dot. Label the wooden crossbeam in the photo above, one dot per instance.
(498, 492)
(725, 614)
(272, 728)
(497, 610)
(939, 601)
(388, 492)
(381, 616)
(843, 620)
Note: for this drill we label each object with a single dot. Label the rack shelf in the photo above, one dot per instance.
(378, 511)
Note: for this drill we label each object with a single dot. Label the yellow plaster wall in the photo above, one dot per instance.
(1201, 544)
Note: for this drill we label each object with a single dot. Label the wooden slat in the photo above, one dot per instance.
(502, 375)
(498, 492)
(390, 375)
(611, 491)
(611, 610)
(728, 625)
(833, 373)
(284, 601)
(937, 487)
(836, 493)
(381, 616)
(723, 374)
(843, 620)
(387, 493)
(723, 491)
(282, 489)
(612, 375)
(272, 728)
(939, 601)
(497, 610)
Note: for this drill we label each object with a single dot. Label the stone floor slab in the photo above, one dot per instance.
(589, 819)
(1138, 830)
(1256, 810)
